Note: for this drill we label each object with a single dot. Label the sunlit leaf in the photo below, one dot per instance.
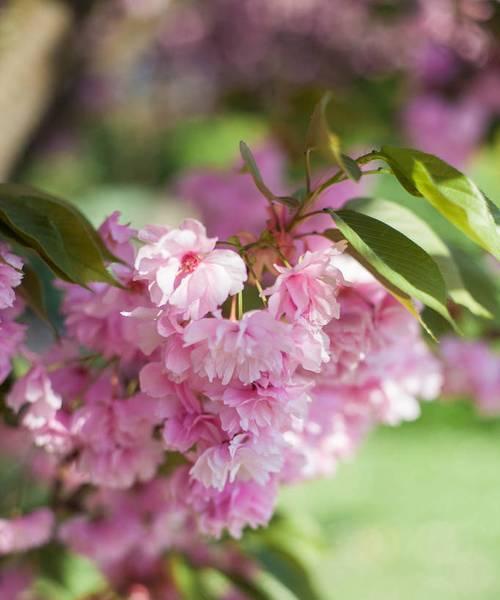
(287, 551)
(246, 585)
(408, 223)
(453, 194)
(477, 277)
(394, 259)
(320, 137)
(66, 576)
(188, 579)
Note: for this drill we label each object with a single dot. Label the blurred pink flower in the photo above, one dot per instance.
(28, 531)
(10, 275)
(228, 201)
(472, 369)
(461, 125)
(35, 391)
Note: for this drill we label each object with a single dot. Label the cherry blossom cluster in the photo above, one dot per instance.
(179, 401)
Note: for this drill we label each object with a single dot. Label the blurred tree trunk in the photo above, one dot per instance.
(31, 33)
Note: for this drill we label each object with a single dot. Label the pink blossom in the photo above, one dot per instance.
(461, 125)
(256, 345)
(309, 289)
(117, 238)
(68, 375)
(182, 269)
(228, 200)
(472, 368)
(34, 390)
(10, 275)
(26, 532)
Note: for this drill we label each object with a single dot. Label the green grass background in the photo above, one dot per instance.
(416, 515)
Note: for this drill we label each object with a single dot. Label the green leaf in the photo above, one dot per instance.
(494, 208)
(253, 169)
(350, 167)
(408, 223)
(274, 588)
(285, 566)
(477, 277)
(336, 236)
(66, 576)
(188, 579)
(453, 194)
(320, 137)
(439, 326)
(57, 231)
(288, 552)
(394, 259)
(252, 589)
(32, 292)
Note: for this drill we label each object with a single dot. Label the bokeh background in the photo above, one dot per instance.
(139, 105)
